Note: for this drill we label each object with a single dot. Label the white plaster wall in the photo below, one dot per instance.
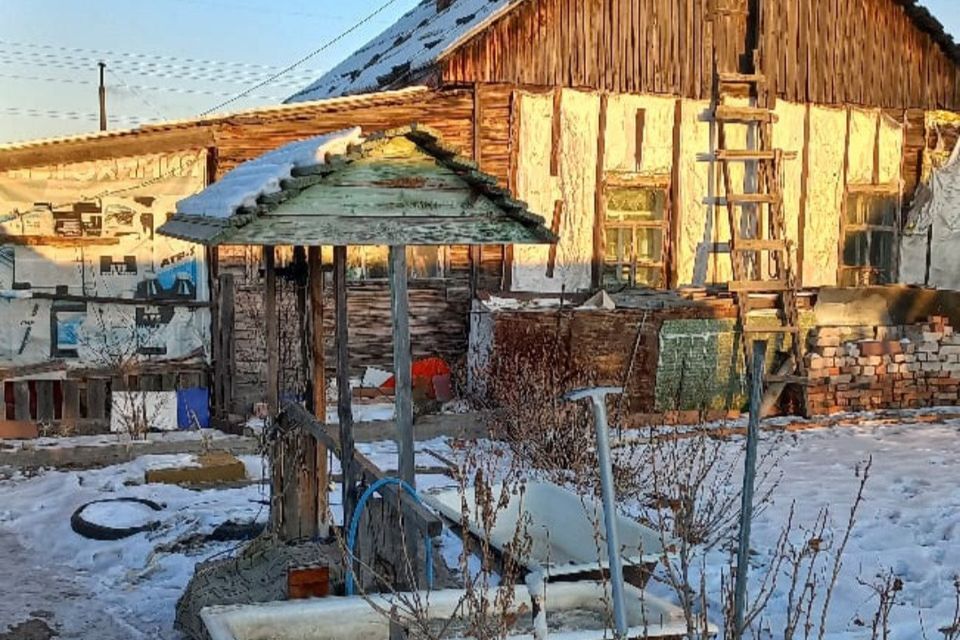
(788, 134)
(621, 134)
(824, 196)
(575, 185)
(863, 136)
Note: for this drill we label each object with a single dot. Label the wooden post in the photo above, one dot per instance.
(749, 478)
(21, 401)
(270, 320)
(402, 362)
(345, 395)
(318, 402)
(71, 404)
(45, 410)
(225, 339)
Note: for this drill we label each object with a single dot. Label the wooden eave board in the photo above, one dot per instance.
(380, 230)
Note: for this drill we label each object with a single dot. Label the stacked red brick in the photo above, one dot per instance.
(897, 367)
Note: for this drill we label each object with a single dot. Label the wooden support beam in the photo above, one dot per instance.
(21, 401)
(345, 399)
(225, 324)
(96, 398)
(46, 411)
(295, 416)
(319, 381)
(270, 323)
(71, 403)
(402, 363)
(596, 271)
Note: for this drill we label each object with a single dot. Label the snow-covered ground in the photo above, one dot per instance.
(908, 523)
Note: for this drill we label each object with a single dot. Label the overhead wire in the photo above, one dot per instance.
(303, 59)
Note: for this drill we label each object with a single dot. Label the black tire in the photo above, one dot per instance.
(94, 531)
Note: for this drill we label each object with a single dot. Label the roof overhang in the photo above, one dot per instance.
(401, 187)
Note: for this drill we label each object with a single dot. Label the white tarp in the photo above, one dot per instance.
(87, 230)
(935, 216)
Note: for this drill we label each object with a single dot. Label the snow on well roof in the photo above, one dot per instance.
(415, 42)
(262, 176)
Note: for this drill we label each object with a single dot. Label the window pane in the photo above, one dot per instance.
(650, 245)
(881, 254)
(425, 262)
(855, 249)
(649, 277)
(636, 204)
(854, 209)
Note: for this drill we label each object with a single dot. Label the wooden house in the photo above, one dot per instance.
(602, 115)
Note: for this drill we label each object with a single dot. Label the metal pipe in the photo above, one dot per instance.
(598, 397)
(749, 478)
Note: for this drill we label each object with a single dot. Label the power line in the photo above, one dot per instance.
(132, 87)
(160, 73)
(68, 115)
(20, 46)
(310, 55)
(141, 67)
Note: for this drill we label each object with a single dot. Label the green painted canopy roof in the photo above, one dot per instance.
(401, 187)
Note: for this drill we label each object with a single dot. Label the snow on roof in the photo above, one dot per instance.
(243, 185)
(416, 41)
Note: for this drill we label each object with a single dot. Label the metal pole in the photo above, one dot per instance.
(749, 478)
(103, 98)
(598, 397)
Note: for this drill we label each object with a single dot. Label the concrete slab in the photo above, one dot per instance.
(210, 468)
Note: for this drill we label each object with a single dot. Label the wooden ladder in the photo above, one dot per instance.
(760, 252)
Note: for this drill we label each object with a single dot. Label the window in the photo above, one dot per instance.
(371, 263)
(869, 249)
(634, 231)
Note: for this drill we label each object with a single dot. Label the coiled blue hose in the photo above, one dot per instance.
(355, 522)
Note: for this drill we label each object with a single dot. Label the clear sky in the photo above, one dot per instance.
(171, 59)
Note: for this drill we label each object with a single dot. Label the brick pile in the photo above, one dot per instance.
(896, 367)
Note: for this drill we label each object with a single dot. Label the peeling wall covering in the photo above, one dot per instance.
(824, 196)
(575, 186)
(891, 150)
(103, 218)
(939, 125)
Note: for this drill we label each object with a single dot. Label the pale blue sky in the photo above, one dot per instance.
(176, 58)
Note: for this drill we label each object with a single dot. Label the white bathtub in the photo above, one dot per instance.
(563, 529)
(354, 618)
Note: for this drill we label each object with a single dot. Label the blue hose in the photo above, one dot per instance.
(355, 522)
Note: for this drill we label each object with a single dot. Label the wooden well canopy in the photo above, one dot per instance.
(399, 187)
(396, 188)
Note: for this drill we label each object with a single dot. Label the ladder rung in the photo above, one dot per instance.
(747, 155)
(758, 286)
(728, 113)
(753, 198)
(741, 78)
(774, 329)
(751, 244)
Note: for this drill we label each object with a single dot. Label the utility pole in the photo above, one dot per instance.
(103, 97)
